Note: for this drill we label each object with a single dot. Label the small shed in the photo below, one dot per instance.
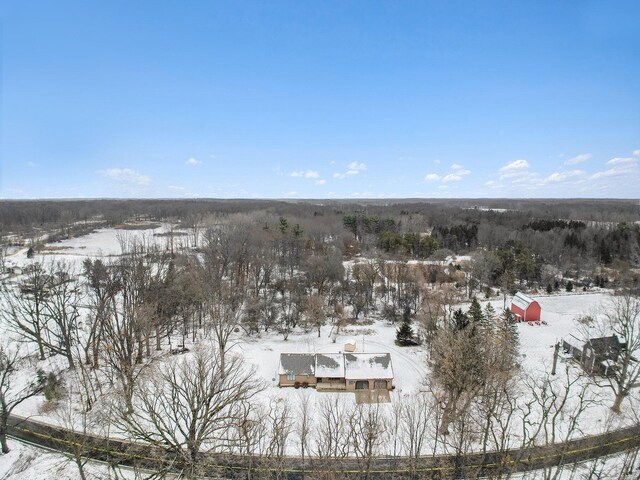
(525, 308)
(350, 345)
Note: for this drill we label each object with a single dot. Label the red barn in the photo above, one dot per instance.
(526, 309)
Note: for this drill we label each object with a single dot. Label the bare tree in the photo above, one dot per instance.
(224, 316)
(333, 433)
(124, 324)
(24, 311)
(303, 425)
(623, 320)
(367, 429)
(190, 405)
(11, 397)
(316, 315)
(280, 427)
(415, 422)
(62, 308)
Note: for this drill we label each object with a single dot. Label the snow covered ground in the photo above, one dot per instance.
(372, 336)
(263, 352)
(104, 242)
(25, 462)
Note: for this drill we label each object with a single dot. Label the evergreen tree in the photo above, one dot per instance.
(487, 318)
(569, 286)
(549, 289)
(30, 252)
(460, 320)
(475, 312)
(404, 334)
(508, 339)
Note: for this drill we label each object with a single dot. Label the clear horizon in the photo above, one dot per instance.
(338, 100)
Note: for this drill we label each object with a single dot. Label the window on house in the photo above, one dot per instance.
(291, 377)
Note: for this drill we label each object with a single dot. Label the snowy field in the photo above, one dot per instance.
(105, 242)
(372, 335)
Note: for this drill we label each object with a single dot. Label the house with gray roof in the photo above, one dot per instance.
(597, 356)
(336, 371)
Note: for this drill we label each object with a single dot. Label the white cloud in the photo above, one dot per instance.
(307, 174)
(564, 176)
(583, 157)
(458, 171)
(636, 153)
(618, 170)
(357, 166)
(437, 161)
(621, 161)
(322, 181)
(126, 175)
(176, 187)
(452, 177)
(193, 162)
(516, 165)
(517, 169)
(354, 168)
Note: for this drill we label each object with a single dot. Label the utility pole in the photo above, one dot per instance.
(556, 348)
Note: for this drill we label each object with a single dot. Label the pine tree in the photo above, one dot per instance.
(460, 320)
(475, 312)
(488, 317)
(30, 252)
(549, 289)
(508, 339)
(569, 286)
(404, 334)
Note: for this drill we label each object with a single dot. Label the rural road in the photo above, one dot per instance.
(121, 452)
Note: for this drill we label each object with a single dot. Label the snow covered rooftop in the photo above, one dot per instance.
(367, 366)
(297, 363)
(330, 365)
(522, 301)
(355, 366)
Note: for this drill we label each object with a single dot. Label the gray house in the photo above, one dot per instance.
(597, 356)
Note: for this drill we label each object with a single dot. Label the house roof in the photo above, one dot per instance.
(297, 363)
(522, 301)
(330, 365)
(603, 345)
(363, 366)
(355, 366)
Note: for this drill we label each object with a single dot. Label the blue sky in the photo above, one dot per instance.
(320, 99)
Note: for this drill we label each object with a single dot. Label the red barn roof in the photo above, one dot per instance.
(525, 308)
